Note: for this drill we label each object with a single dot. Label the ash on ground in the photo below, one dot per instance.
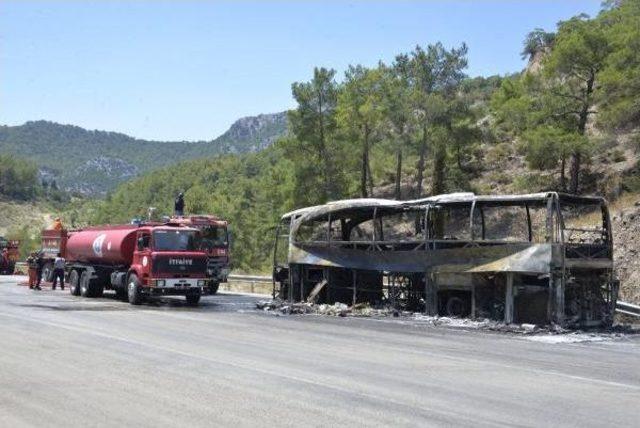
(545, 334)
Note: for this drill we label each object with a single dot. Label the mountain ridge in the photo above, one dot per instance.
(93, 162)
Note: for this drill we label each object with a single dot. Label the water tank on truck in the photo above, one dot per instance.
(106, 246)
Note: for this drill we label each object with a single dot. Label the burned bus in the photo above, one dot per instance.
(537, 258)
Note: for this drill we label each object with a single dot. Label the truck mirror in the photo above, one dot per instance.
(140, 243)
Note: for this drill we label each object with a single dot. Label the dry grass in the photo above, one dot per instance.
(15, 215)
(625, 201)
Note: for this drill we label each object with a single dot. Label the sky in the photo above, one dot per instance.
(186, 70)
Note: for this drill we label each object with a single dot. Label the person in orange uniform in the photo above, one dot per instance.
(57, 224)
(32, 266)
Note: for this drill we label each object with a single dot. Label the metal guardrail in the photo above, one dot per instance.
(627, 309)
(250, 283)
(21, 267)
(250, 278)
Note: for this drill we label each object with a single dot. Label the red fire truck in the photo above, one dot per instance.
(215, 241)
(9, 255)
(135, 260)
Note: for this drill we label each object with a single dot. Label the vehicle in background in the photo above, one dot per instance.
(135, 260)
(9, 255)
(215, 242)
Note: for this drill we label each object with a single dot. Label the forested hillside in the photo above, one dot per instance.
(25, 202)
(18, 178)
(94, 162)
(420, 126)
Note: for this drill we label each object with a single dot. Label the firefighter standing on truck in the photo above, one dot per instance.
(179, 205)
(57, 224)
(58, 272)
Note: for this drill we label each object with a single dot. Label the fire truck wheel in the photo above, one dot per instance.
(47, 272)
(133, 290)
(85, 284)
(192, 299)
(74, 282)
(214, 288)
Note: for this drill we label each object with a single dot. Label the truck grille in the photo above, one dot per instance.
(179, 265)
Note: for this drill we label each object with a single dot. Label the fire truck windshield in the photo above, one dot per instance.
(214, 237)
(176, 240)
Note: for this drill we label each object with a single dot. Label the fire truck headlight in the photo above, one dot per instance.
(160, 283)
(201, 282)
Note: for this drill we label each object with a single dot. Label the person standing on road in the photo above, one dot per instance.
(179, 205)
(31, 269)
(39, 262)
(58, 272)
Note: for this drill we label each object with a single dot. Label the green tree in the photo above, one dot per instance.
(546, 145)
(18, 178)
(537, 41)
(313, 123)
(360, 115)
(560, 97)
(434, 76)
(620, 95)
(398, 115)
(571, 72)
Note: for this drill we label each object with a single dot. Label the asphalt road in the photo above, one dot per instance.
(68, 361)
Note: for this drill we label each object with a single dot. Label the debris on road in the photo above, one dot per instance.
(545, 333)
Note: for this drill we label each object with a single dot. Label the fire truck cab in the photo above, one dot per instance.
(215, 242)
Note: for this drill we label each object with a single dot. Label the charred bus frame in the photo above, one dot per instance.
(520, 258)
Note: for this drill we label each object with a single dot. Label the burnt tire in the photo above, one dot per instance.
(133, 290)
(74, 282)
(192, 299)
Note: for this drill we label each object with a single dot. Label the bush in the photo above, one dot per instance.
(533, 182)
(617, 155)
(499, 153)
(631, 183)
